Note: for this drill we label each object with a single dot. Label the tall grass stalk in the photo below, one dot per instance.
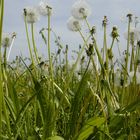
(1, 81)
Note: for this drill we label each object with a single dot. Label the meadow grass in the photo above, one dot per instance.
(56, 100)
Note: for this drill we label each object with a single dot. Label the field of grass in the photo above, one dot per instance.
(94, 98)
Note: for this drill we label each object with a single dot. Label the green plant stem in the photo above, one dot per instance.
(1, 80)
(4, 56)
(71, 73)
(28, 40)
(96, 47)
(128, 43)
(132, 58)
(126, 64)
(34, 45)
(93, 62)
(49, 51)
(113, 40)
(105, 48)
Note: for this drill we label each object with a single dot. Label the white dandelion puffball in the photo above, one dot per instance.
(6, 40)
(73, 24)
(44, 8)
(134, 34)
(31, 14)
(80, 10)
(131, 76)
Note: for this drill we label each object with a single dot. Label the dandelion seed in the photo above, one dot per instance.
(80, 10)
(31, 14)
(73, 24)
(134, 34)
(44, 9)
(6, 40)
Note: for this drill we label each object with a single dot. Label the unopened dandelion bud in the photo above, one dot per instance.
(93, 30)
(105, 21)
(110, 53)
(114, 33)
(90, 50)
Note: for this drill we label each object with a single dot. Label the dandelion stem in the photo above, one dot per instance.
(33, 41)
(132, 57)
(28, 40)
(87, 48)
(10, 48)
(49, 51)
(1, 80)
(128, 43)
(105, 47)
(126, 63)
(4, 56)
(112, 43)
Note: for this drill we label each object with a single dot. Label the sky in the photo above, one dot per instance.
(115, 10)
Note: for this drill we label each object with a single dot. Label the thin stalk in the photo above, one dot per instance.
(66, 56)
(128, 43)
(105, 48)
(34, 45)
(4, 56)
(126, 64)
(112, 43)
(28, 40)
(1, 80)
(88, 25)
(71, 73)
(49, 49)
(96, 47)
(8, 55)
(119, 49)
(93, 62)
(132, 58)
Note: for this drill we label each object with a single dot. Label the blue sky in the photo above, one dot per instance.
(113, 9)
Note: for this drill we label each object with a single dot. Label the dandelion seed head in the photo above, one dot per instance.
(73, 24)
(80, 10)
(6, 40)
(31, 14)
(134, 34)
(44, 8)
